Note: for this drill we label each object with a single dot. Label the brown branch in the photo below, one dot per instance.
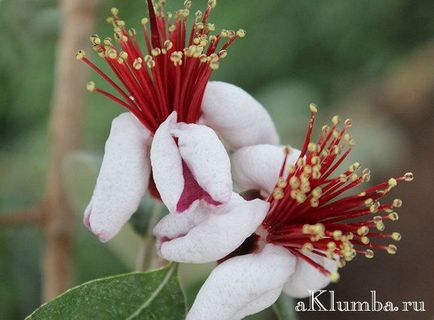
(20, 218)
(66, 126)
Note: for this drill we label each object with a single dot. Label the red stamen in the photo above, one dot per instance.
(171, 77)
(306, 214)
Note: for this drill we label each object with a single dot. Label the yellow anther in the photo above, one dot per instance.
(392, 182)
(123, 55)
(281, 182)
(362, 231)
(313, 108)
(300, 197)
(222, 54)
(369, 254)
(241, 33)
(307, 247)
(364, 240)
(187, 4)
(111, 53)
(176, 58)
(335, 120)
(377, 219)
(393, 216)
(397, 203)
(396, 236)
(380, 226)
(80, 55)
(317, 192)
(348, 123)
(156, 52)
(278, 194)
(337, 234)
(334, 277)
(198, 14)
(137, 64)
(391, 249)
(331, 245)
(341, 263)
(144, 21)
(114, 11)
(311, 147)
(107, 41)
(212, 3)
(90, 86)
(168, 44)
(408, 176)
(294, 182)
(94, 39)
(354, 166)
(369, 202)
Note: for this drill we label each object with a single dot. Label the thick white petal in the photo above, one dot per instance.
(257, 167)
(213, 234)
(206, 158)
(237, 116)
(167, 164)
(243, 285)
(123, 177)
(259, 304)
(307, 278)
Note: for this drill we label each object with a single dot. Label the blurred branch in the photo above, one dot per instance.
(20, 218)
(66, 126)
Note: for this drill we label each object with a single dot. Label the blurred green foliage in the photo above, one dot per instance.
(295, 52)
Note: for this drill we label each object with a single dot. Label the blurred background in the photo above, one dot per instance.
(369, 60)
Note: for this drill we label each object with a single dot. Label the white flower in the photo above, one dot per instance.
(310, 228)
(187, 161)
(166, 87)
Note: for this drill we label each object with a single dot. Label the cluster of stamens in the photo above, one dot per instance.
(309, 212)
(172, 76)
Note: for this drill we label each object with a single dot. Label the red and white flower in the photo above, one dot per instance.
(166, 143)
(310, 227)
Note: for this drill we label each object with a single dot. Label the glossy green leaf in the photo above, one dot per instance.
(284, 308)
(152, 295)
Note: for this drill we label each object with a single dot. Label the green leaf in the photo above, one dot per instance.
(284, 308)
(151, 295)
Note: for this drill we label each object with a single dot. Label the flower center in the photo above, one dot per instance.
(172, 76)
(309, 212)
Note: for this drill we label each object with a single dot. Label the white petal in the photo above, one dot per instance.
(123, 177)
(243, 285)
(206, 158)
(257, 167)
(167, 164)
(237, 116)
(214, 234)
(306, 277)
(259, 304)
